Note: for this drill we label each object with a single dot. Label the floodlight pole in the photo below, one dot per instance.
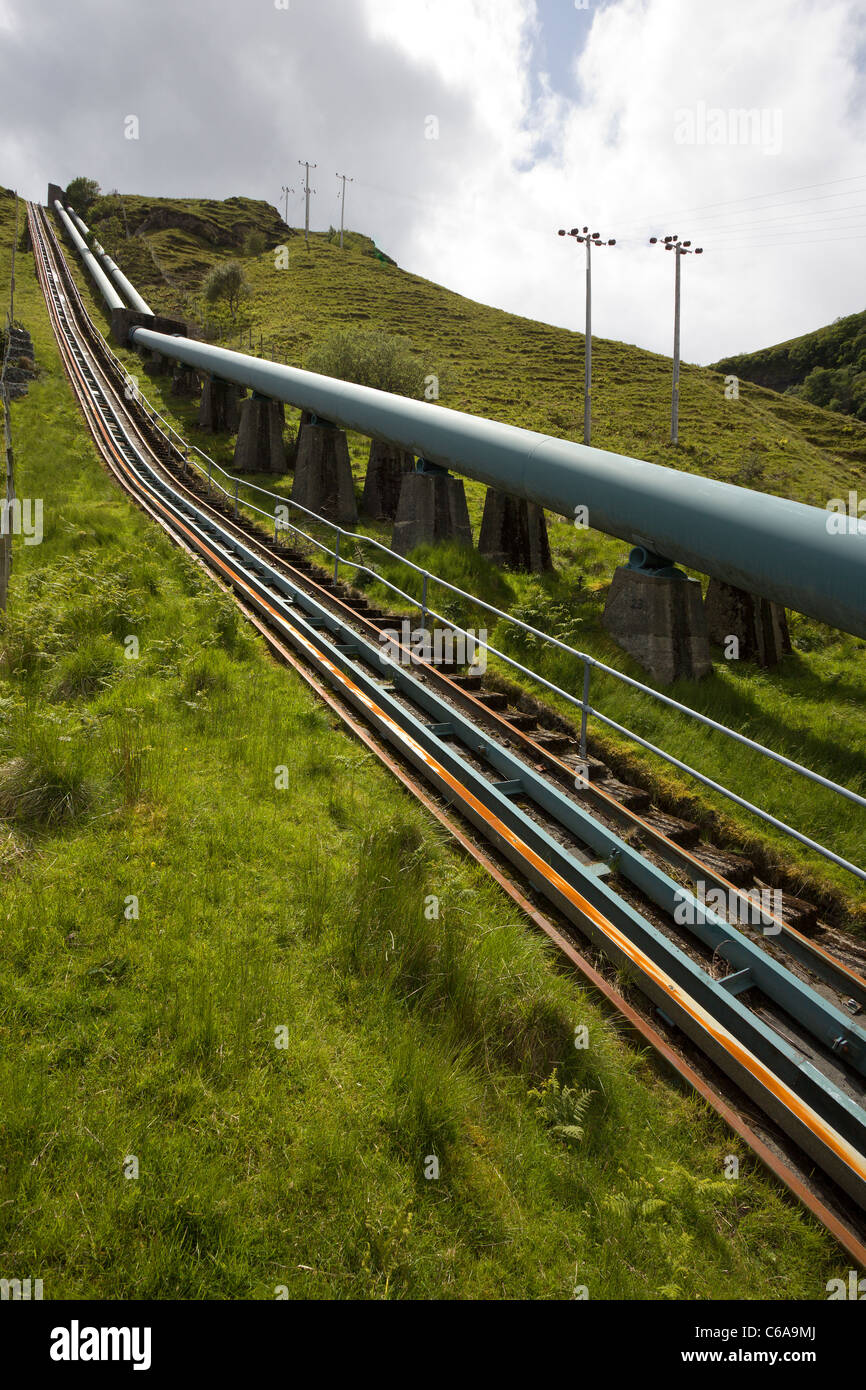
(679, 248)
(590, 240)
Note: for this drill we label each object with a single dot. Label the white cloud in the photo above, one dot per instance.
(231, 96)
(614, 162)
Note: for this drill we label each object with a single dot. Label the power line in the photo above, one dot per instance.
(791, 218)
(823, 241)
(751, 197)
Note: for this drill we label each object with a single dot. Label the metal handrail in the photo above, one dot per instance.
(589, 662)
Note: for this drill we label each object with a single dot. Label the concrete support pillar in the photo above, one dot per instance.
(259, 447)
(655, 613)
(385, 469)
(155, 364)
(760, 627)
(323, 473)
(185, 381)
(306, 419)
(218, 411)
(514, 533)
(432, 508)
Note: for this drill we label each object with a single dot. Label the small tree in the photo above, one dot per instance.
(226, 282)
(81, 193)
(370, 358)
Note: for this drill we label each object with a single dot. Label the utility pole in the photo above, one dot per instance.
(343, 205)
(307, 166)
(286, 191)
(679, 248)
(590, 240)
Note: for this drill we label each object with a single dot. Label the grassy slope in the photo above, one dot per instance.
(812, 709)
(304, 907)
(838, 345)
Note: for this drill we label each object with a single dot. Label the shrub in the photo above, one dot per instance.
(226, 282)
(371, 358)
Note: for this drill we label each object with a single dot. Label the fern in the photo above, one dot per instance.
(563, 1108)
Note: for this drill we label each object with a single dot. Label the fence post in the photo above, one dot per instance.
(583, 712)
(236, 499)
(424, 601)
(337, 556)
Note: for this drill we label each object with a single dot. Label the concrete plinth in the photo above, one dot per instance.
(55, 194)
(155, 364)
(760, 627)
(323, 474)
(259, 447)
(306, 419)
(660, 622)
(218, 411)
(185, 381)
(514, 533)
(432, 508)
(385, 469)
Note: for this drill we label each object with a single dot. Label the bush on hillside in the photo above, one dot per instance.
(226, 282)
(368, 357)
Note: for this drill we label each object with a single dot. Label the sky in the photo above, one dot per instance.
(475, 129)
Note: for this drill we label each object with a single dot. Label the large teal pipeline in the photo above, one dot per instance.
(126, 287)
(781, 550)
(106, 289)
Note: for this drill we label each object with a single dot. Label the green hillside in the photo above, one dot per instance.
(505, 366)
(236, 1089)
(826, 368)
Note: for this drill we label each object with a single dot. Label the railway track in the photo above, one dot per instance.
(766, 1027)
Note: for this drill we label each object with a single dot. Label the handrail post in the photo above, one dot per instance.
(584, 710)
(236, 499)
(337, 557)
(424, 601)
